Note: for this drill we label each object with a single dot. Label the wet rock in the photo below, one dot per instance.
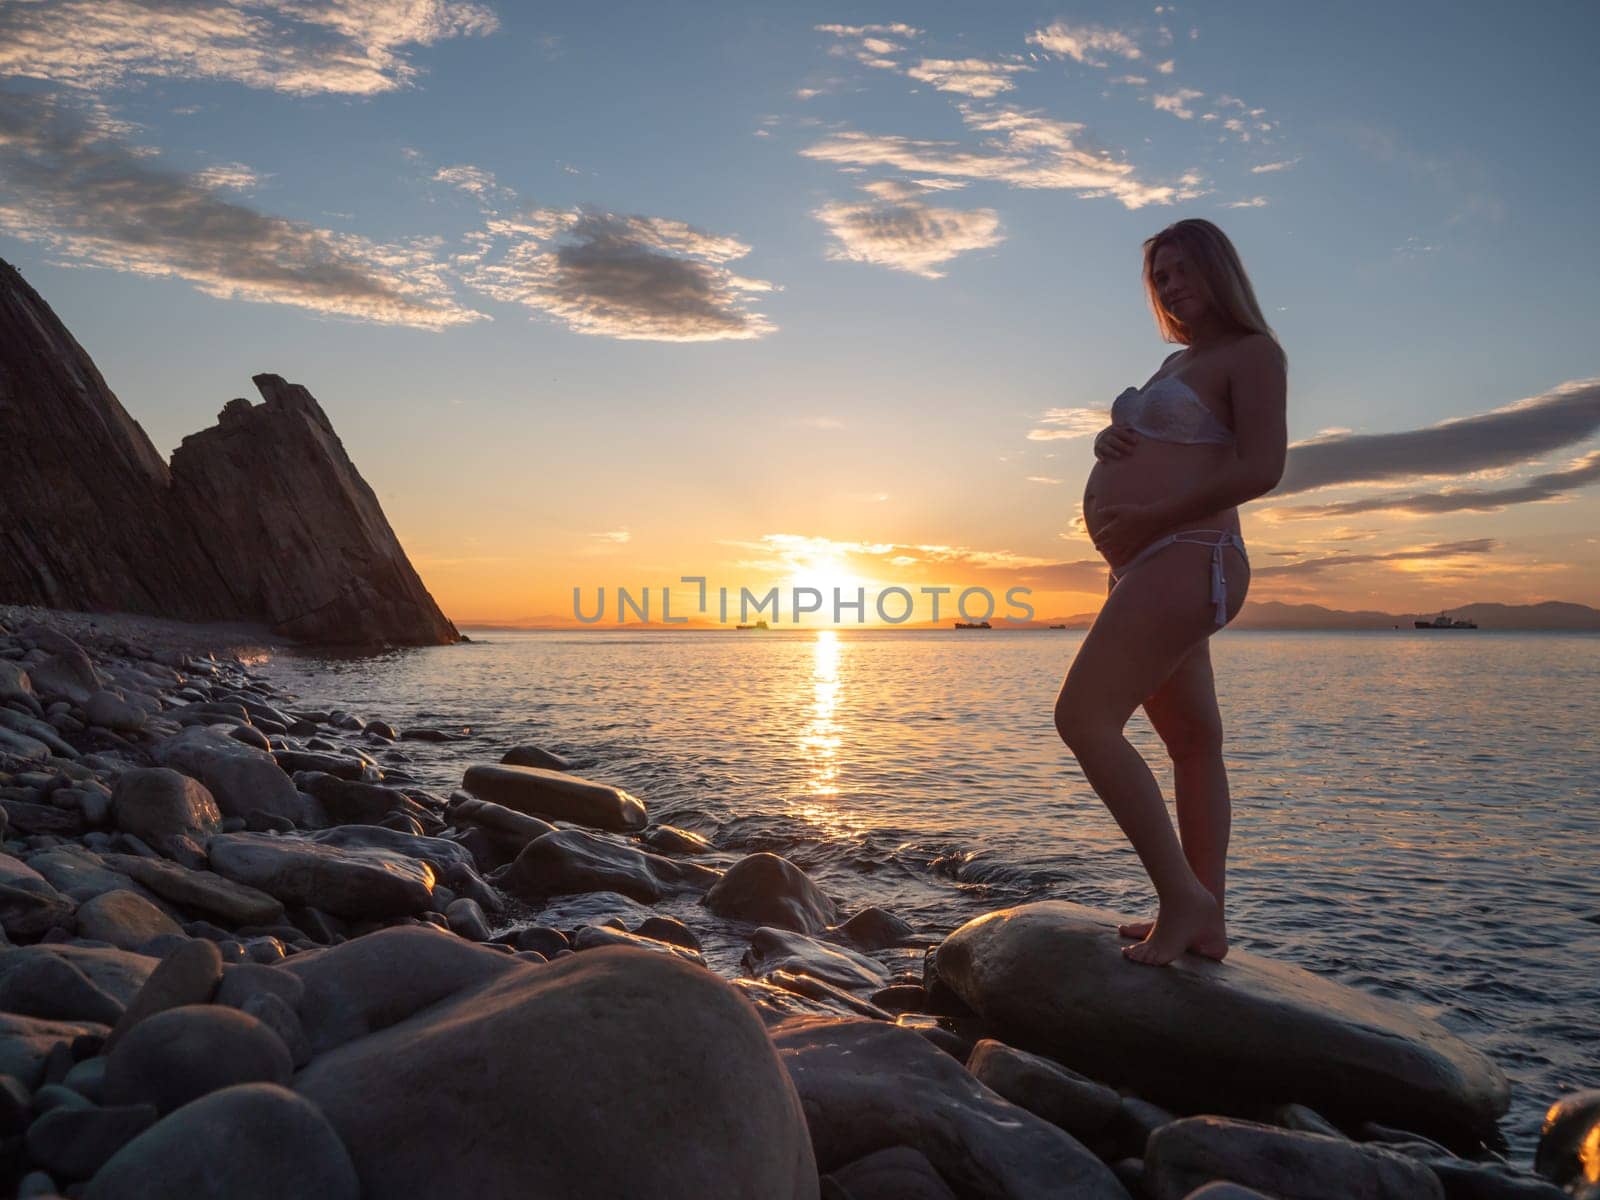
(781, 950)
(23, 816)
(874, 928)
(246, 980)
(467, 920)
(866, 1084)
(711, 1101)
(124, 919)
(181, 1054)
(1194, 1151)
(206, 891)
(354, 883)
(535, 756)
(79, 873)
(1066, 1099)
(273, 1012)
(15, 684)
(355, 803)
(189, 975)
(669, 839)
(118, 973)
(901, 997)
(767, 889)
(519, 827)
(255, 1141)
(669, 929)
(240, 778)
(592, 936)
(898, 1173)
(830, 997)
(168, 810)
(572, 860)
(1214, 1036)
(36, 983)
(75, 1143)
(556, 796)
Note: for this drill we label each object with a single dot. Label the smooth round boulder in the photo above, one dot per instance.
(536, 756)
(255, 1141)
(181, 1054)
(461, 1099)
(158, 803)
(768, 889)
(110, 711)
(125, 919)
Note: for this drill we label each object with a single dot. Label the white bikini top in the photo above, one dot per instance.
(1170, 414)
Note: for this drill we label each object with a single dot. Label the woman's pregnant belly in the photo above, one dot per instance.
(1154, 471)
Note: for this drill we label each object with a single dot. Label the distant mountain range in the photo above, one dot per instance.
(1271, 614)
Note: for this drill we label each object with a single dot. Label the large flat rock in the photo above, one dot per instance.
(362, 884)
(1214, 1036)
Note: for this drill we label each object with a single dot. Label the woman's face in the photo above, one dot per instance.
(1181, 292)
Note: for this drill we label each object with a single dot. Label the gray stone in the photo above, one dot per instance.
(184, 1053)
(73, 1143)
(781, 950)
(1194, 1151)
(573, 860)
(277, 1016)
(767, 889)
(519, 827)
(669, 839)
(29, 905)
(867, 1084)
(240, 778)
(165, 809)
(110, 711)
(36, 983)
(669, 929)
(1066, 1099)
(898, 1173)
(244, 980)
(706, 1112)
(355, 883)
(535, 756)
(125, 919)
(467, 920)
(118, 973)
(556, 796)
(235, 903)
(255, 1141)
(1205, 1035)
(592, 936)
(874, 928)
(189, 975)
(26, 1043)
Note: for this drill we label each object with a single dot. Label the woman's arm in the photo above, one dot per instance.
(1259, 384)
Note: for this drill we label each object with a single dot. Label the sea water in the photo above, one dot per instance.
(1414, 812)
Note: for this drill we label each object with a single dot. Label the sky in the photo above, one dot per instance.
(608, 295)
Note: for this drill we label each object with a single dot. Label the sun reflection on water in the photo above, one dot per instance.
(821, 740)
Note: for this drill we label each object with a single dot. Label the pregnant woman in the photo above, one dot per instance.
(1206, 434)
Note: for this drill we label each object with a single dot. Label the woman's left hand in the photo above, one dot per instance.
(1124, 529)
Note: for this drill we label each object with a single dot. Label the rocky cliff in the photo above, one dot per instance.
(261, 518)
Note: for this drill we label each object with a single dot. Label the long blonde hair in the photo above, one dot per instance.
(1220, 272)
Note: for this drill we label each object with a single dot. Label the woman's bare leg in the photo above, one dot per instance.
(1154, 617)
(1185, 714)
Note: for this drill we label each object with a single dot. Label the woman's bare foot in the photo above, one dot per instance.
(1194, 924)
(1136, 929)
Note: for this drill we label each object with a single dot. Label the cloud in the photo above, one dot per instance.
(1084, 42)
(1024, 149)
(1551, 485)
(68, 184)
(967, 76)
(1252, 202)
(302, 47)
(1264, 168)
(903, 233)
(629, 277)
(228, 176)
(1069, 423)
(1041, 479)
(1177, 103)
(1437, 551)
(475, 181)
(1517, 433)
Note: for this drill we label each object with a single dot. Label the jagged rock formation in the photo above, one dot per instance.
(261, 518)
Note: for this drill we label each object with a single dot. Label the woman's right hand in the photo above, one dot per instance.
(1114, 441)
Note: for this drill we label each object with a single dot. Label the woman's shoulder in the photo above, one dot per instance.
(1255, 350)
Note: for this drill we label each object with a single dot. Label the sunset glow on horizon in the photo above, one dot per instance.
(798, 299)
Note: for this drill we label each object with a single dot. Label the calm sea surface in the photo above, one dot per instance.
(1415, 814)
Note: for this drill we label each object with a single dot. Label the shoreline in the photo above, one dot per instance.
(399, 863)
